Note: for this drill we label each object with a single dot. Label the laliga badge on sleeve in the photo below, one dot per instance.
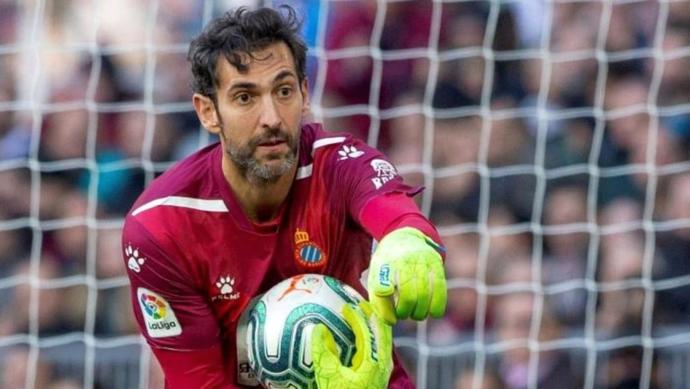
(158, 316)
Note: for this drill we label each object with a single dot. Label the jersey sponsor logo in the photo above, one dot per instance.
(349, 152)
(307, 253)
(384, 172)
(226, 287)
(134, 260)
(159, 317)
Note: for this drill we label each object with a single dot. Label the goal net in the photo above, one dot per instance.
(552, 138)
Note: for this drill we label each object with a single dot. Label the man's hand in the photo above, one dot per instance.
(372, 363)
(406, 277)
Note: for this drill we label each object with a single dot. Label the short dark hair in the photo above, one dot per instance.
(242, 32)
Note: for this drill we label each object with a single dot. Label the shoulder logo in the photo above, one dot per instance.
(384, 172)
(349, 152)
(134, 261)
(226, 287)
(159, 317)
(308, 253)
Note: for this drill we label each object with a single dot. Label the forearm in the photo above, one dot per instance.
(193, 368)
(386, 213)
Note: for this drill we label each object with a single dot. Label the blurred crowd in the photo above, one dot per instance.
(558, 134)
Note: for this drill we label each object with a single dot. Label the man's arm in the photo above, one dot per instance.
(376, 198)
(172, 315)
(202, 368)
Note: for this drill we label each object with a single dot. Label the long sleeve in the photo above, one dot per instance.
(385, 213)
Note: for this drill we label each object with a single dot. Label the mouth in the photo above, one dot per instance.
(272, 142)
(272, 148)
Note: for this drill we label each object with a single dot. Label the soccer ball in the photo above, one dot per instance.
(280, 326)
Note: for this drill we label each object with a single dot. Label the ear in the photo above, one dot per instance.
(306, 108)
(206, 112)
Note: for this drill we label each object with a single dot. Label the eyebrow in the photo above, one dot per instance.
(251, 85)
(283, 75)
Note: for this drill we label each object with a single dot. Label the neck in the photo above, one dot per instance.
(260, 201)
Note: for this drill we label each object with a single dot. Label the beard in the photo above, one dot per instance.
(264, 172)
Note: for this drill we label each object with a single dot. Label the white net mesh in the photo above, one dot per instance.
(552, 138)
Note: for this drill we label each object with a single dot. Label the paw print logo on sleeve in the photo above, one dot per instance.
(349, 152)
(134, 261)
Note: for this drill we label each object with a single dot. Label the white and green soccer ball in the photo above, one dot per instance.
(281, 323)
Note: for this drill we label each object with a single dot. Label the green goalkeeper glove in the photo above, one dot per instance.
(406, 277)
(372, 363)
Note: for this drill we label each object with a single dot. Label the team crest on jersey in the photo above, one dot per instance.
(307, 252)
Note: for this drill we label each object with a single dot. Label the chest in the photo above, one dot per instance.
(239, 264)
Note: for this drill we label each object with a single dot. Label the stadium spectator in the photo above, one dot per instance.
(15, 135)
(572, 146)
(674, 303)
(461, 314)
(14, 247)
(675, 81)
(513, 325)
(490, 379)
(456, 144)
(109, 267)
(621, 258)
(516, 314)
(624, 365)
(509, 144)
(17, 369)
(57, 313)
(503, 243)
(65, 383)
(348, 80)
(69, 243)
(565, 255)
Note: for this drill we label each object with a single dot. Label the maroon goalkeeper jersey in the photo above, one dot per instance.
(195, 260)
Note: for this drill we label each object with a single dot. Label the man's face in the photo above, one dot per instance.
(260, 111)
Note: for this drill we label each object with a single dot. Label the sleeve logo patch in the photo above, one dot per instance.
(384, 172)
(134, 259)
(159, 317)
(349, 152)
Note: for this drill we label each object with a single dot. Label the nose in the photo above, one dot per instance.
(270, 117)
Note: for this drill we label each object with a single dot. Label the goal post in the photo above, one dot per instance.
(551, 136)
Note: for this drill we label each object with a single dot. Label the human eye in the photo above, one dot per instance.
(243, 98)
(285, 91)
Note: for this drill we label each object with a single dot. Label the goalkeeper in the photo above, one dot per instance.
(275, 197)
